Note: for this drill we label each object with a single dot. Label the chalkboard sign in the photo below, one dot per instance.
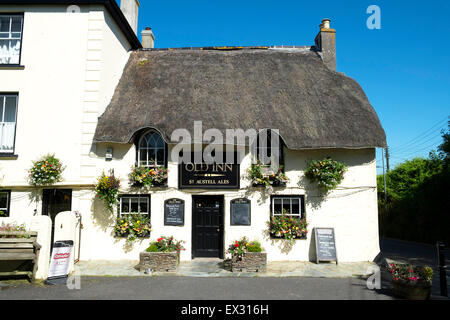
(174, 212)
(240, 212)
(325, 245)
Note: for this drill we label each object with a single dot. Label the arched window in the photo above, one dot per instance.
(151, 150)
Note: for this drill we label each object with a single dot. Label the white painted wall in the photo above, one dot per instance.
(72, 63)
(351, 210)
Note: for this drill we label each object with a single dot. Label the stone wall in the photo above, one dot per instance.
(158, 261)
(250, 262)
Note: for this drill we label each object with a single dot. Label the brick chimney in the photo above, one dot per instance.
(130, 9)
(326, 43)
(148, 38)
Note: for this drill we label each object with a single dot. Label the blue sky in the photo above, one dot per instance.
(404, 67)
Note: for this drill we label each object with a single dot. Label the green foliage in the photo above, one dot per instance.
(417, 205)
(107, 189)
(45, 171)
(410, 274)
(288, 227)
(259, 174)
(132, 226)
(239, 247)
(328, 173)
(166, 244)
(2, 213)
(11, 227)
(146, 177)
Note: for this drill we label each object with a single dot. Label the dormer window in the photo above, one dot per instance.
(10, 38)
(152, 150)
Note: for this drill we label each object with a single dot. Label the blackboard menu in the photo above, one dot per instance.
(325, 244)
(240, 212)
(174, 212)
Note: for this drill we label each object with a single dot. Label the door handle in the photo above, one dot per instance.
(218, 229)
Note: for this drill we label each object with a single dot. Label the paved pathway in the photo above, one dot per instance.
(206, 267)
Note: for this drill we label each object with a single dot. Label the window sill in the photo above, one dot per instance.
(274, 184)
(11, 67)
(8, 156)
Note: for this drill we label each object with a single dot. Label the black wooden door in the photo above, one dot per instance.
(207, 233)
(55, 201)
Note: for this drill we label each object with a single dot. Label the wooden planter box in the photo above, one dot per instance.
(125, 235)
(19, 253)
(159, 261)
(411, 291)
(250, 262)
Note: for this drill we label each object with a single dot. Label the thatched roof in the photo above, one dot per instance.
(289, 90)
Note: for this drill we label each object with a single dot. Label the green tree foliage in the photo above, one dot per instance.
(418, 202)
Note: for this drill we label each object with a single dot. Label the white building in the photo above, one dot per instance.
(75, 82)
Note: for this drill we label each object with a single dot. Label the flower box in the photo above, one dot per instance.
(411, 291)
(159, 261)
(249, 262)
(274, 184)
(117, 234)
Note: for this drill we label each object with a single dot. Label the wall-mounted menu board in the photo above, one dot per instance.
(325, 244)
(174, 212)
(240, 212)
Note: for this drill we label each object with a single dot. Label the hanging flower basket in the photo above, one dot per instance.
(107, 189)
(147, 177)
(327, 173)
(46, 171)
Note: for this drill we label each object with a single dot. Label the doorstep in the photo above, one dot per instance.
(207, 267)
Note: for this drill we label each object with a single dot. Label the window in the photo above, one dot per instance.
(10, 38)
(8, 113)
(151, 150)
(5, 197)
(264, 149)
(134, 204)
(290, 205)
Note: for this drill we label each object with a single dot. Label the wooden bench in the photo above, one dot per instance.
(19, 246)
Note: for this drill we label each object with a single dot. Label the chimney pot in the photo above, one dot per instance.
(326, 44)
(148, 38)
(325, 24)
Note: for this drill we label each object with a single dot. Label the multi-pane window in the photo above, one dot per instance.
(134, 204)
(5, 197)
(151, 150)
(10, 38)
(8, 114)
(289, 205)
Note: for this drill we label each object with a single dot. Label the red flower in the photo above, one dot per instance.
(236, 244)
(160, 239)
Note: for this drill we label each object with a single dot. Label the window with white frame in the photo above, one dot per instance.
(5, 196)
(130, 204)
(151, 150)
(10, 38)
(8, 115)
(289, 205)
